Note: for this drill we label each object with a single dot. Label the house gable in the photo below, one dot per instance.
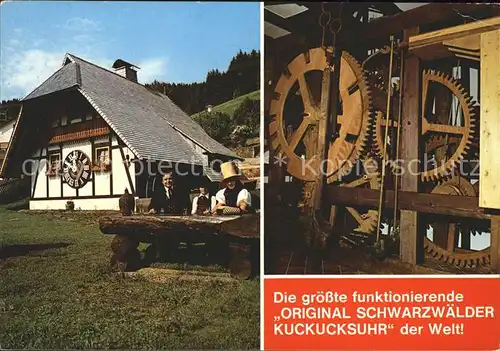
(149, 123)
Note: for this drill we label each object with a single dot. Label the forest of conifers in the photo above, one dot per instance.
(241, 77)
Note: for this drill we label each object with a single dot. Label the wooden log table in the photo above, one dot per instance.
(164, 232)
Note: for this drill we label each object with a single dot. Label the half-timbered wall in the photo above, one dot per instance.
(102, 190)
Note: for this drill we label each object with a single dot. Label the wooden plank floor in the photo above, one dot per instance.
(296, 262)
(286, 254)
(347, 262)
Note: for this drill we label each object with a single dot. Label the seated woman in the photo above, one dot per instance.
(202, 203)
(232, 198)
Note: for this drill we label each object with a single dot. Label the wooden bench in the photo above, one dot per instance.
(240, 234)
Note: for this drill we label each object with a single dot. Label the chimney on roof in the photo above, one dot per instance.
(126, 69)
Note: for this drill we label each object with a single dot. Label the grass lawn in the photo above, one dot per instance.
(56, 292)
(230, 106)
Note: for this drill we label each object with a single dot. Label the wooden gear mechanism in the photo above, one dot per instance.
(354, 120)
(436, 126)
(445, 245)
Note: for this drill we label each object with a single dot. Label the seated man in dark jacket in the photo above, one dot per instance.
(168, 198)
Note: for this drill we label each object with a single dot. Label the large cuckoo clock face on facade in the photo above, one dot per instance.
(76, 171)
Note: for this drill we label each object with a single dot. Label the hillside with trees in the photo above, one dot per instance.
(242, 77)
(233, 122)
(9, 110)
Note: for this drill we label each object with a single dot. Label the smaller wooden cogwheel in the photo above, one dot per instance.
(76, 171)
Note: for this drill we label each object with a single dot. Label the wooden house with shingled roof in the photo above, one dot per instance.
(88, 133)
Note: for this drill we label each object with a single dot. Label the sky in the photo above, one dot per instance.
(168, 41)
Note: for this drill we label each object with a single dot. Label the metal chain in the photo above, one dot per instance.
(334, 26)
(324, 21)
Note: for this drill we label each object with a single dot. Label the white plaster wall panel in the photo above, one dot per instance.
(101, 182)
(35, 165)
(86, 190)
(120, 180)
(68, 191)
(54, 186)
(83, 146)
(41, 184)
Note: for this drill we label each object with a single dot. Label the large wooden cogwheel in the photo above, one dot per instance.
(451, 251)
(295, 109)
(438, 89)
(434, 123)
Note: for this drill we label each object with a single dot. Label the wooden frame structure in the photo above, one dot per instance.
(478, 41)
(430, 32)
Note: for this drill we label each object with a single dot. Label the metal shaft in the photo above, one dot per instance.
(384, 158)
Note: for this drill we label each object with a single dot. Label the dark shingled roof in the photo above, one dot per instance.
(62, 79)
(148, 122)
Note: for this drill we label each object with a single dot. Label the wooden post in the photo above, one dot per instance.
(328, 121)
(411, 243)
(490, 121)
(489, 135)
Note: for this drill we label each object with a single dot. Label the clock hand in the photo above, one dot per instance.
(80, 171)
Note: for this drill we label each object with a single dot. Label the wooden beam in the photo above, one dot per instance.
(463, 40)
(452, 33)
(411, 243)
(421, 16)
(447, 205)
(490, 120)
(495, 244)
(467, 43)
